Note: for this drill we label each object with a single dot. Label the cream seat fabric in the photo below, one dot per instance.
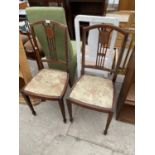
(93, 90)
(48, 82)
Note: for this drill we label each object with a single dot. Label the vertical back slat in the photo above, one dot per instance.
(103, 48)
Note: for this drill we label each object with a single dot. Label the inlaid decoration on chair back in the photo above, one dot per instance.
(54, 56)
(104, 49)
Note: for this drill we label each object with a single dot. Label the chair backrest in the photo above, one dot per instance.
(104, 38)
(49, 28)
(48, 13)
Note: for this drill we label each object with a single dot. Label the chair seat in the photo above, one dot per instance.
(93, 90)
(48, 82)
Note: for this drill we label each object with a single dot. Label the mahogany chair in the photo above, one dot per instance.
(49, 84)
(97, 92)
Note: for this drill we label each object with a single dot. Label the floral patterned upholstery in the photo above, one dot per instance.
(48, 82)
(94, 90)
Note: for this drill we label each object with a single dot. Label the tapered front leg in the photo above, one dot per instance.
(62, 108)
(69, 106)
(108, 122)
(28, 101)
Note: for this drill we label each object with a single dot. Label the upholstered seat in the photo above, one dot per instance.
(93, 90)
(48, 82)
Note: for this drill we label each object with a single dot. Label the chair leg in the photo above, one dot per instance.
(69, 106)
(28, 101)
(108, 122)
(62, 108)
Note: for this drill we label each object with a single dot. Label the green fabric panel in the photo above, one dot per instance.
(57, 14)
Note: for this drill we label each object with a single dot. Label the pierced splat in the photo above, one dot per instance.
(49, 30)
(104, 37)
(103, 42)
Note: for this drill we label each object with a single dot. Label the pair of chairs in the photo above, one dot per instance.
(92, 92)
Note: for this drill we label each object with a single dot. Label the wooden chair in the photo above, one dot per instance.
(55, 14)
(49, 84)
(95, 92)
